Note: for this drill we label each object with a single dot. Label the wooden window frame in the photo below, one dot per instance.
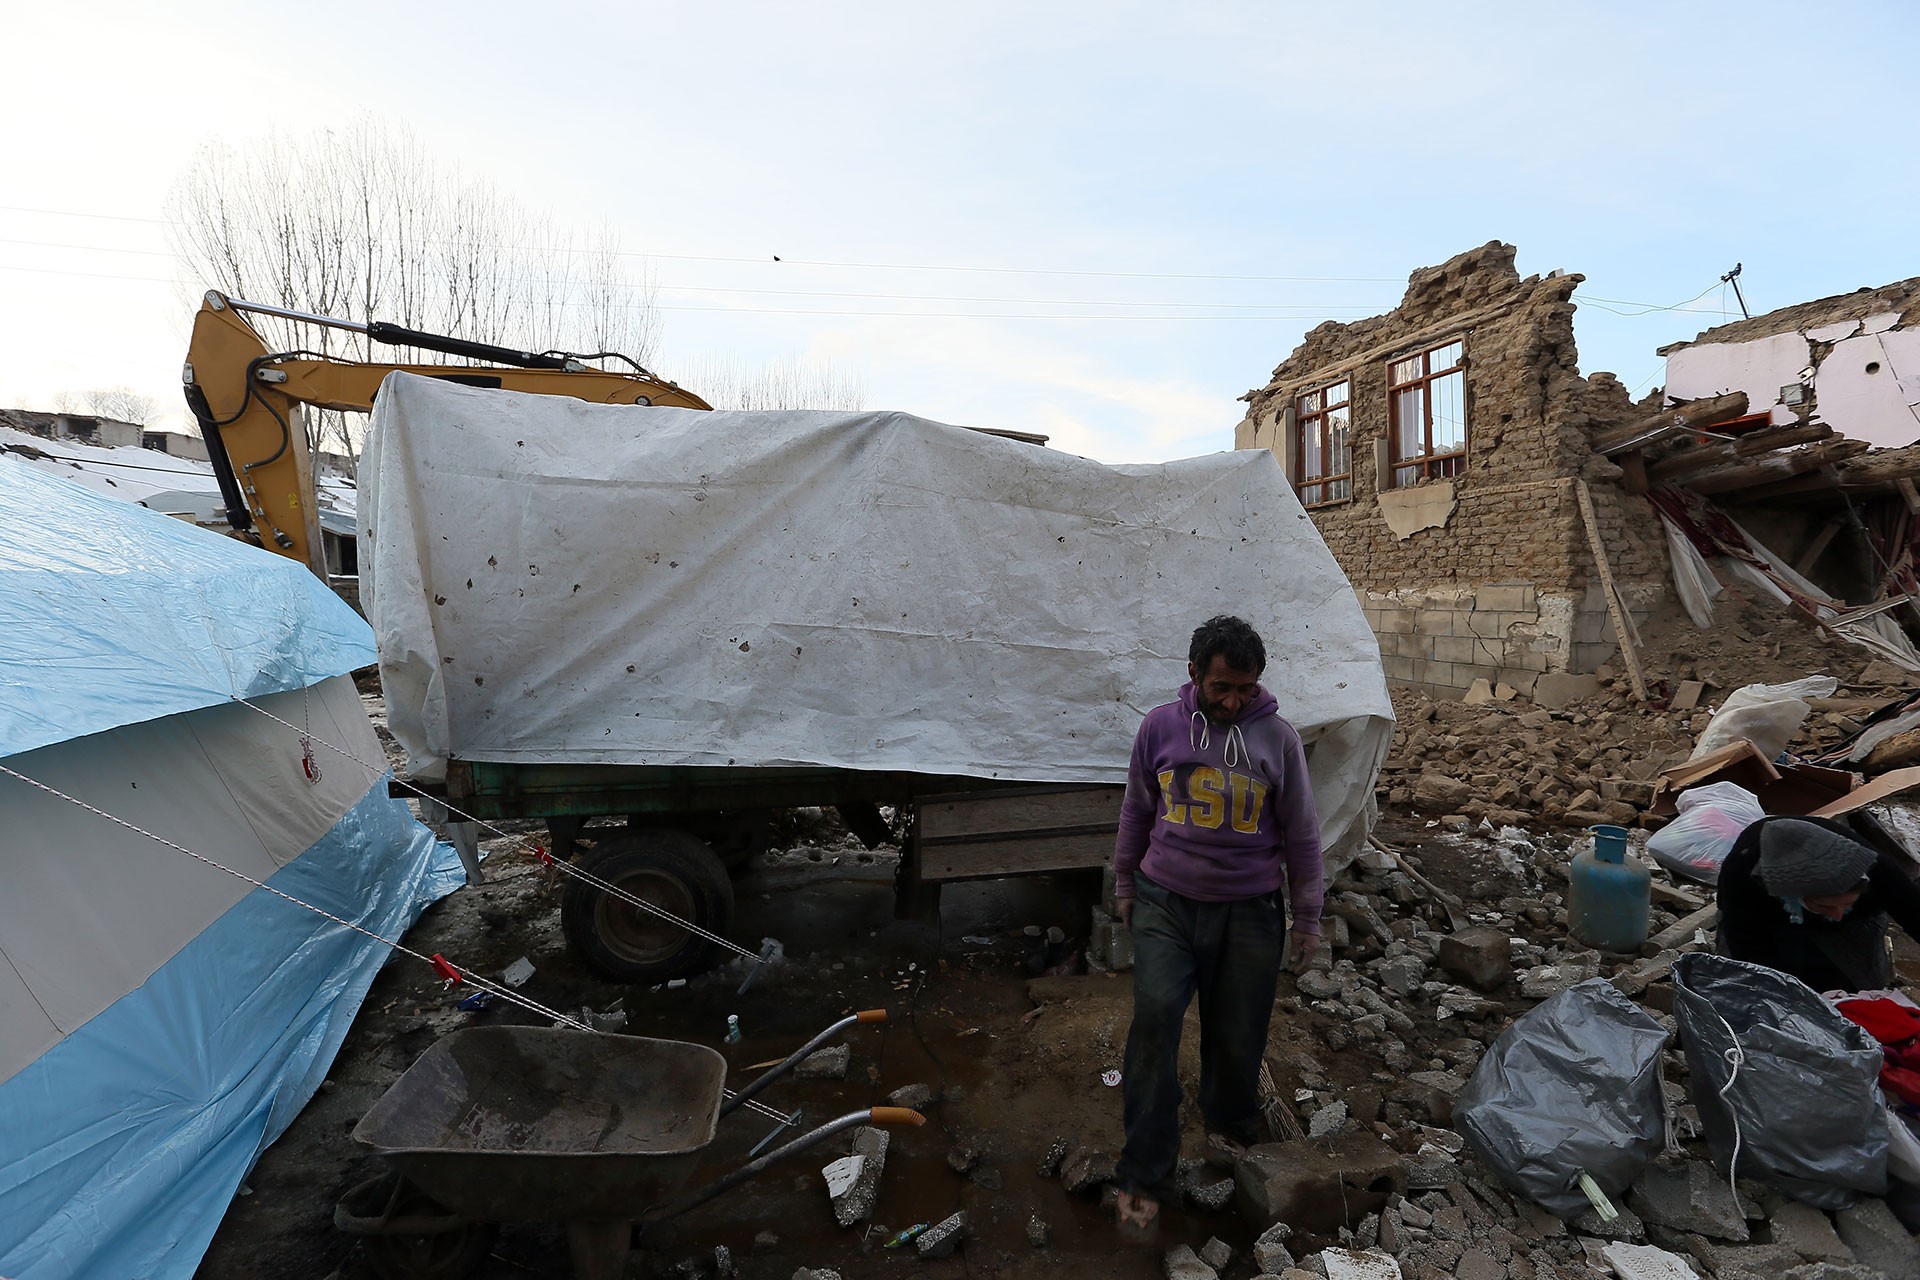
(1325, 489)
(1429, 464)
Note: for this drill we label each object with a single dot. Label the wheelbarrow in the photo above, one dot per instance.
(598, 1131)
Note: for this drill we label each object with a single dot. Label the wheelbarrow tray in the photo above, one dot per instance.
(549, 1123)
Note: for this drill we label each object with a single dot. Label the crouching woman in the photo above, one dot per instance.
(1808, 897)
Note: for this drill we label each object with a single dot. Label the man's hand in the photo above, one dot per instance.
(1126, 911)
(1302, 948)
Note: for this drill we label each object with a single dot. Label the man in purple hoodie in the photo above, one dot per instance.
(1218, 819)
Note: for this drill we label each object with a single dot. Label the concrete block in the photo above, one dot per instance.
(1878, 1240)
(1477, 692)
(1453, 649)
(1270, 1252)
(1808, 1232)
(1482, 958)
(1525, 658)
(1478, 1264)
(862, 1169)
(1509, 597)
(1352, 1179)
(1352, 1264)
(1489, 653)
(1434, 622)
(943, 1237)
(1490, 624)
(827, 1064)
(1435, 673)
(1555, 689)
(1410, 646)
(1692, 1198)
(1216, 1253)
(1687, 696)
(1182, 1263)
(1086, 1170)
(1521, 682)
(1645, 1262)
(1396, 622)
(1397, 668)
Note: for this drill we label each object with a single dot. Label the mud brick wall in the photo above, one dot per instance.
(1488, 574)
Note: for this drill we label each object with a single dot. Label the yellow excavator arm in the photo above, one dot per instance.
(248, 401)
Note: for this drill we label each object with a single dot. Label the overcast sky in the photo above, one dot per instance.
(1100, 221)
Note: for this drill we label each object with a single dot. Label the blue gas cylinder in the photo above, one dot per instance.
(1609, 898)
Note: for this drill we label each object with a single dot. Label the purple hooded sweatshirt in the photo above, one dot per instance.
(1218, 814)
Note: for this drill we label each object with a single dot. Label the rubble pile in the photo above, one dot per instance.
(1597, 758)
(1419, 982)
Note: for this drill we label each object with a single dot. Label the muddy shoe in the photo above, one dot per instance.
(1138, 1218)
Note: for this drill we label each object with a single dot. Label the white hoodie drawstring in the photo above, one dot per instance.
(1233, 751)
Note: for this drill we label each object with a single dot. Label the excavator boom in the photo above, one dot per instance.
(248, 400)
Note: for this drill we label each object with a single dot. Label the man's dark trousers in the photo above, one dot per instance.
(1230, 952)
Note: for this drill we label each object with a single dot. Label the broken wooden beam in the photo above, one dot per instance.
(1693, 415)
(1777, 468)
(1616, 609)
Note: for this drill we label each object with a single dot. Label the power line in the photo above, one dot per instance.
(90, 248)
(80, 213)
(820, 262)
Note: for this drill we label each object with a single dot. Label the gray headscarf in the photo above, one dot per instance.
(1805, 859)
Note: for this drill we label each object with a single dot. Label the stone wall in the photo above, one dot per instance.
(1425, 558)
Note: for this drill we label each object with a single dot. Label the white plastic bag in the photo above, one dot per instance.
(1711, 819)
(1767, 715)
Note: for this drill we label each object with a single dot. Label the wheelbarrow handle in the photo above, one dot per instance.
(895, 1115)
(759, 1082)
(753, 1168)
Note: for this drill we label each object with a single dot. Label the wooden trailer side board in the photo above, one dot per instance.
(970, 836)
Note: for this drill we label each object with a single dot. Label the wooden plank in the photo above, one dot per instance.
(1778, 467)
(980, 859)
(1905, 485)
(1622, 623)
(1767, 439)
(1804, 565)
(1694, 415)
(946, 817)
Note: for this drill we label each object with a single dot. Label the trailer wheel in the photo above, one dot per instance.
(674, 871)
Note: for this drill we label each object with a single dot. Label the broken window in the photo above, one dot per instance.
(1427, 404)
(1325, 462)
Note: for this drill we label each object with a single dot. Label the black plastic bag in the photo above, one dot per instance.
(1804, 1099)
(1572, 1087)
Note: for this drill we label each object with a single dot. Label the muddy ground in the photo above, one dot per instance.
(1014, 1073)
(1016, 1062)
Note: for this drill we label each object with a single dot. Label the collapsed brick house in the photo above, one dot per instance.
(1445, 452)
(1502, 518)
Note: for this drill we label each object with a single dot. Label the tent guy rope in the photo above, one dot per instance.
(450, 972)
(537, 850)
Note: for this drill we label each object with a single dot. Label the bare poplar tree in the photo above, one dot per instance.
(122, 404)
(365, 223)
(778, 384)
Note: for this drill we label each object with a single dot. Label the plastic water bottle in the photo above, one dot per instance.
(733, 1028)
(1608, 898)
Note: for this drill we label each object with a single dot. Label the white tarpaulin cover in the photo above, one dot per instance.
(556, 581)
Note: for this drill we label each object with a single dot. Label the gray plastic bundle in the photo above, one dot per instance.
(1804, 1102)
(1572, 1087)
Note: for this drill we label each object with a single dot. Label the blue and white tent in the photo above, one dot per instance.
(161, 1020)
